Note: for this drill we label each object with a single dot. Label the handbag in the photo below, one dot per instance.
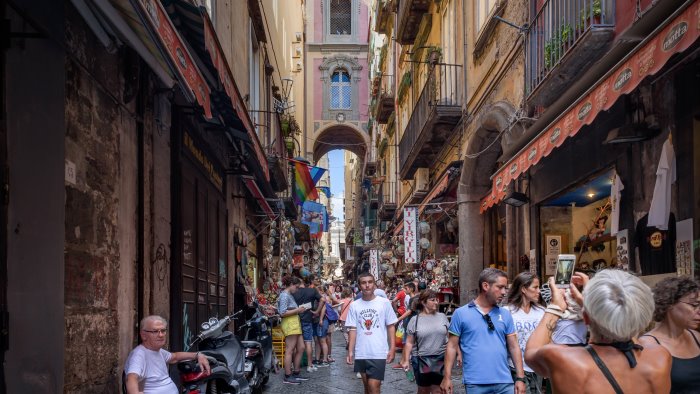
(429, 364)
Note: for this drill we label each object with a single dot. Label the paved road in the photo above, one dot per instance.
(339, 378)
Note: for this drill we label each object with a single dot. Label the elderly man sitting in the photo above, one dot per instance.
(146, 367)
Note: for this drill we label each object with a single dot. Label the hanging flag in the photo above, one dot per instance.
(303, 186)
(316, 173)
(325, 189)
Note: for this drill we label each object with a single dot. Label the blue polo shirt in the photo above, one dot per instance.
(484, 351)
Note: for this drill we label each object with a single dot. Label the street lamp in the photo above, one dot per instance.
(287, 83)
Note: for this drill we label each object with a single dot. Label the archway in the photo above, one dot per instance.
(340, 136)
(481, 154)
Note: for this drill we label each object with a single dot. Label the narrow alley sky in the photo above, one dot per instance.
(336, 162)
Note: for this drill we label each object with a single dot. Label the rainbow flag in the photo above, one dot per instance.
(305, 182)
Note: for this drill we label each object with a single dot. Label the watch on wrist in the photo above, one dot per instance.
(519, 379)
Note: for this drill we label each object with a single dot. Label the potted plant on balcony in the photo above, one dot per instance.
(404, 85)
(433, 55)
(590, 15)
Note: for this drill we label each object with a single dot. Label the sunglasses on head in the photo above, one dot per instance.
(488, 321)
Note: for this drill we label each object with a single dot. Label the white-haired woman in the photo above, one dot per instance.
(617, 306)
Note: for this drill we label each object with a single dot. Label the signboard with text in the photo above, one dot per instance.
(374, 263)
(410, 238)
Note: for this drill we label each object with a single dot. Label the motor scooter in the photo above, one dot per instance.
(256, 338)
(226, 357)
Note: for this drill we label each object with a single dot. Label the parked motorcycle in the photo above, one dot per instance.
(256, 337)
(227, 360)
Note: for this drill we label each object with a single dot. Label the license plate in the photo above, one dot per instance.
(248, 366)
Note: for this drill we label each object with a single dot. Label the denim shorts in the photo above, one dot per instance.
(307, 331)
(322, 329)
(499, 388)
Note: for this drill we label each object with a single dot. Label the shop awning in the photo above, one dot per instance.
(197, 27)
(675, 35)
(194, 86)
(258, 195)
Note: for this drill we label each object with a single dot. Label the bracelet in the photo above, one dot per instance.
(554, 312)
(519, 379)
(196, 356)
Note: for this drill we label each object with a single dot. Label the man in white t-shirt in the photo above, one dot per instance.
(371, 322)
(147, 365)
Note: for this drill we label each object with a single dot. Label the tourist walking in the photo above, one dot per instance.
(485, 334)
(371, 322)
(344, 308)
(307, 294)
(617, 306)
(426, 341)
(332, 302)
(524, 306)
(677, 311)
(291, 328)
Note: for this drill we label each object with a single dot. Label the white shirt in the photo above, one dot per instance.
(615, 194)
(152, 369)
(370, 318)
(525, 324)
(665, 177)
(407, 301)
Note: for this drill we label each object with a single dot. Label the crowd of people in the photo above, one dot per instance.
(608, 333)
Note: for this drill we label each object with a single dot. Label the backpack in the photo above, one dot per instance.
(331, 314)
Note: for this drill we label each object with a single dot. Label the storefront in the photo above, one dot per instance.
(636, 127)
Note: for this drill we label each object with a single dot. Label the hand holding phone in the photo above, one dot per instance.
(565, 270)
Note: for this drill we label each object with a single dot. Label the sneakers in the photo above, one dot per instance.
(322, 364)
(311, 368)
(299, 377)
(290, 380)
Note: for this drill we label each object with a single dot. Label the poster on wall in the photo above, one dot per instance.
(550, 263)
(533, 262)
(684, 247)
(622, 252)
(374, 263)
(409, 235)
(553, 244)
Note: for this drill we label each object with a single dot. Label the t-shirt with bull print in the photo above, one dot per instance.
(370, 319)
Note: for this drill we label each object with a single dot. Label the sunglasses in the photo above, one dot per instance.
(488, 321)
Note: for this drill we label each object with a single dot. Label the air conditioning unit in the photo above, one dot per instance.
(422, 180)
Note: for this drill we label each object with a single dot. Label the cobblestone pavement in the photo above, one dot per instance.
(339, 378)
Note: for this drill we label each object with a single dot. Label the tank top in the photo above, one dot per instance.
(685, 372)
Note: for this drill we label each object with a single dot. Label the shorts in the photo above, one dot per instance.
(425, 379)
(322, 329)
(307, 331)
(374, 369)
(499, 388)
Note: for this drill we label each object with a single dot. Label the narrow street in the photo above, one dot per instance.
(339, 378)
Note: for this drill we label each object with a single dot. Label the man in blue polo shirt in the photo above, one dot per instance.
(485, 334)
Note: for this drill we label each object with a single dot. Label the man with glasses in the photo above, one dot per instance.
(485, 334)
(146, 367)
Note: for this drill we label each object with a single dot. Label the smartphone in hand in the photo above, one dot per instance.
(565, 270)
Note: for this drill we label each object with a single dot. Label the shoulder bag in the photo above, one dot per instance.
(428, 364)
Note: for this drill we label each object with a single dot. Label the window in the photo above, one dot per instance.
(483, 9)
(340, 17)
(340, 90)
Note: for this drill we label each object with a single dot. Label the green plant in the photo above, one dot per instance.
(404, 85)
(430, 58)
(555, 47)
(590, 11)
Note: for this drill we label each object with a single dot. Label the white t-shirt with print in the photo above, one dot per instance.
(370, 318)
(152, 369)
(525, 324)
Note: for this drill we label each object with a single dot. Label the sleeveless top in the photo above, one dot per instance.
(685, 372)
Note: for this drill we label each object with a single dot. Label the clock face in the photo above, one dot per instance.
(340, 117)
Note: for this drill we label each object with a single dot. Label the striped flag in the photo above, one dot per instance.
(305, 182)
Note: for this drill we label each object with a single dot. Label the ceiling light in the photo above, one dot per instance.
(591, 195)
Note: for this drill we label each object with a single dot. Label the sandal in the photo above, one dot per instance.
(331, 360)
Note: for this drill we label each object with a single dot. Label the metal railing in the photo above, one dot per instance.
(388, 193)
(556, 29)
(441, 89)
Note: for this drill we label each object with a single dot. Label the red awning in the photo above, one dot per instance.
(194, 84)
(676, 35)
(255, 191)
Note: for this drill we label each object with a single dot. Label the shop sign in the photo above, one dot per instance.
(533, 261)
(207, 165)
(374, 263)
(410, 239)
(584, 110)
(675, 35)
(550, 262)
(622, 79)
(555, 135)
(553, 244)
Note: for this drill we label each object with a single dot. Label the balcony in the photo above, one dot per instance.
(384, 107)
(373, 197)
(410, 15)
(384, 11)
(436, 113)
(387, 201)
(565, 37)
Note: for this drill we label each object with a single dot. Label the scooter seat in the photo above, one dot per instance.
(217, 356)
